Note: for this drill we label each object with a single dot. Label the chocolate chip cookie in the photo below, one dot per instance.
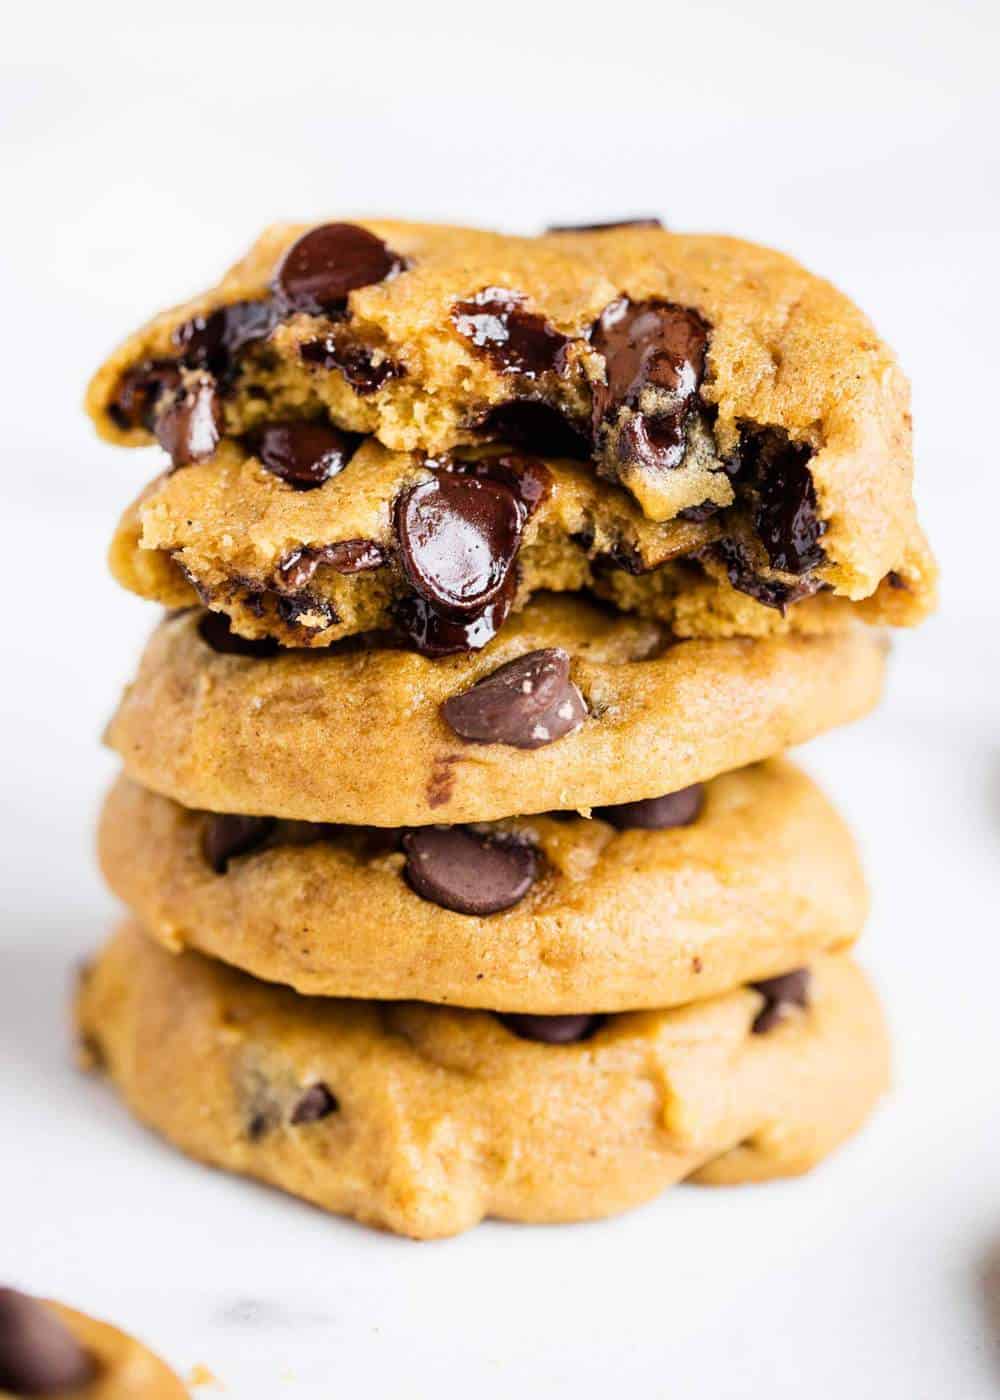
(425, 1119)
(706, 375)
(649, 904)
(296, 535)
(49, 1349)
(569, 707)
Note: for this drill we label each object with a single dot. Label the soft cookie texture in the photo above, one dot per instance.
(423, 1119)
(696, 370)
(312, 566)
(49, 1349)
(759, 877)
(358, 735)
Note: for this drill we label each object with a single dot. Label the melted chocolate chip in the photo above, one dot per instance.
(39, 1355)
(528, 478)
(779, 993)
(552, 1030)
(317, 1102)
(650, 222)
(786, 517)
(434, 634)
(514, 340)
(654, 355)
(459, 537)
(138, 392)
(537, 426)
(216, 631)
(303, 453)
(355, 362)
(307, 610)
(679, 808)
(325, 264)
(227, 836)
(189, 426)
(527, 703)
(698, 514)
(740, 570)
(469, 874)
(214, 342)
(344, 557)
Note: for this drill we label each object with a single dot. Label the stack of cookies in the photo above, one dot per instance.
(467, 875)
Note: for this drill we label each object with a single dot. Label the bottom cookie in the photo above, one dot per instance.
(48, 1349)
(425, 1119)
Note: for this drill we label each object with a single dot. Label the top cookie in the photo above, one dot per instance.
(698, 371)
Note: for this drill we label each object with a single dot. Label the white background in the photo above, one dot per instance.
(143, 147)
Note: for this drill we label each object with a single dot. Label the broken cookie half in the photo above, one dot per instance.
(702, 374)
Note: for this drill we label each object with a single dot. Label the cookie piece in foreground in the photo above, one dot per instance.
(424, 1119)
(648, 905)
(49, 1349)
(695, 370)
(441, 552)
(371, 735)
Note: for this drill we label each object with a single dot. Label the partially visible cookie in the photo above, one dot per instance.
(440, 554)
(49, 1349)
(693, 369)
(568, 708)
(648, 905)
(423, 1119)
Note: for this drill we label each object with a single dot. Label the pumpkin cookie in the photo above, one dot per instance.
(700, 372)
(425, 1119)
(440, 555)
(645, 905)
(568, 708)
(49, 1349)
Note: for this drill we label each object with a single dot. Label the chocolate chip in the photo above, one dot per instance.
(138, 392)
(227, 836)
(779, 993)
(459, 537)
(317, 1102)
(679, 808)
(786, 518)
(654, 355)
(467, 873)
(39, 1355)
(603, 228)
(698, 514)
(527, 703)
(434, 634)
(552, 1030)
(303, 453)
(215, 630)
(189, 426)
(740, 570)
(344, 557)
(327, 263)
(514, 340)
(355, 362)
(529, 479)
(306, 610)
(537, 426)
(215, 341)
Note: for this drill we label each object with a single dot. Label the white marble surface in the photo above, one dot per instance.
(141, 149)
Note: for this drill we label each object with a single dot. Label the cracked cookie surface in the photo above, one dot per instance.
(312, 566)
(424, 1119)
(690, 368)
(363, 735)
(758, 876)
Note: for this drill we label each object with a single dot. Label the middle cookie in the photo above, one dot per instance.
(647, 905)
